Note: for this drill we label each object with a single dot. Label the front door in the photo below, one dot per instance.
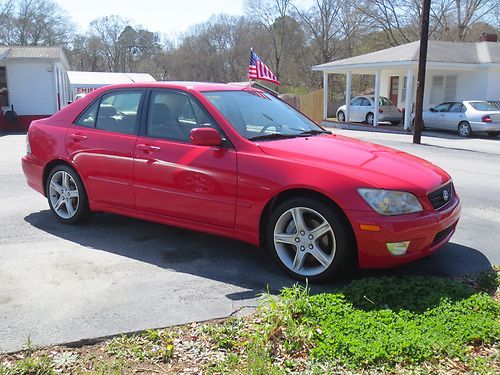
(174, 177)
(101, 144)
(394, 90)
(454, 116)
(435, 118)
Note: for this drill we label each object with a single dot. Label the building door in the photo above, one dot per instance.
(394, 90)
(4, 98)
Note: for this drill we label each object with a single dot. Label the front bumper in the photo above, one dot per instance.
(427, 231)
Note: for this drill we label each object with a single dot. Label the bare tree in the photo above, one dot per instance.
(37, 23)
(108, 31)
(282, 29)
(6, 10)
(322, 21)
(469, 12)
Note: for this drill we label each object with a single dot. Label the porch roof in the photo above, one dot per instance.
(444, 54)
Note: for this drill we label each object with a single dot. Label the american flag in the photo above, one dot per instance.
(258, 70)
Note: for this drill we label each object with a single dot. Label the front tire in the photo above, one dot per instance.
(67, 196)
(310, 240)
(464, 129)
(341, 117)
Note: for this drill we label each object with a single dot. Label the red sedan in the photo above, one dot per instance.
(238, 162)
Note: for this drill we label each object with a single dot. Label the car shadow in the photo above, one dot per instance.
(226, 260)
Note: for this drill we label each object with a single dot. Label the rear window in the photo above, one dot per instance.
(483, 106)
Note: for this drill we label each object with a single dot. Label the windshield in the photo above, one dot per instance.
(483, 106)
(255, 114)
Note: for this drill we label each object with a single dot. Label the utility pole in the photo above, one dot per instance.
(422, 61)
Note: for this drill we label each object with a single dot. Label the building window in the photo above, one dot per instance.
(444, 88)
(4, 92)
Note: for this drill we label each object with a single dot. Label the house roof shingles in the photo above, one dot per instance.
(438, 52)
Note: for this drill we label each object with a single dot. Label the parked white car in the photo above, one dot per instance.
(465, 117)
(362, 109)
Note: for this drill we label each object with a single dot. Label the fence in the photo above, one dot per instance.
(309, 104)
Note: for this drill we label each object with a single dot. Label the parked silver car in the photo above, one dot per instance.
(465, 117)
(362, 108)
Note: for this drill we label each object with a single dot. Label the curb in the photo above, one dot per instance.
(374, 129)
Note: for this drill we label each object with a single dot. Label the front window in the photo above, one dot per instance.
(483, 106)
(256, 114)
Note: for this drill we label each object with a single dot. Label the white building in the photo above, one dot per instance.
(455, 72)
(33, 83)
(85, 82)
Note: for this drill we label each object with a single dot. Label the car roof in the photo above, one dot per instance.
(185, 85)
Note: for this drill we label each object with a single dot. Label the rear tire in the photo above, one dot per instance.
(67, 196)
(310, 240)
(341, 117)
(464, 129)
(493, 134)
(370, 118)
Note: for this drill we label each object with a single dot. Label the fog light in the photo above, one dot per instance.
(398, 248)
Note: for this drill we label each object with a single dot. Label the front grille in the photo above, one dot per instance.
(442, 196)
(442, 235)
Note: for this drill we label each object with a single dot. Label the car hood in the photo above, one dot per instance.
(372, 165)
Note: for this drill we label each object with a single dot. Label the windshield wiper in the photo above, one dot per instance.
(272, 136)
(314, 132)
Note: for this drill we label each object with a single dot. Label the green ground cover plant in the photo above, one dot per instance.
(410, 324)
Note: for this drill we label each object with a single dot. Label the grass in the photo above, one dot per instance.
(385, 324)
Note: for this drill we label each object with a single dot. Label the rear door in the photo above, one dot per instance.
(176, 178)
(101, 143)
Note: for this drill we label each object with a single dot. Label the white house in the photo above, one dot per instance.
(85, 82)
(455, 71)
(33, 83)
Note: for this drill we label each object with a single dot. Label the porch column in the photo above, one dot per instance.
(348, 97)
(377, 98)
(325, 95)
(408, 99)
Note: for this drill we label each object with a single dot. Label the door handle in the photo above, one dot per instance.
(78, 137)
(148, 148)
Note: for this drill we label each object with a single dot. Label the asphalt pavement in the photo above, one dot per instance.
(62, 284)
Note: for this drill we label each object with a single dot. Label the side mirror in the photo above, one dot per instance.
(205, 137)
(432, 110)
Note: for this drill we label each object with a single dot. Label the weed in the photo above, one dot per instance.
(154, 345)
(30, 365)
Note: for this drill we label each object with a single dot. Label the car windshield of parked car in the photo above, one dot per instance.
(257, 115)
(483, 106)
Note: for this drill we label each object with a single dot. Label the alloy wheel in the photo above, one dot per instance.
(369, 118)
(304, 241)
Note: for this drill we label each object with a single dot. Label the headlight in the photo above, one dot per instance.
(389, 202)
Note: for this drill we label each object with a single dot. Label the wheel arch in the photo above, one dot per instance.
(53, 163)
(301, 193)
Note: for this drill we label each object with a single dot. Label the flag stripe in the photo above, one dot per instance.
(258, 70)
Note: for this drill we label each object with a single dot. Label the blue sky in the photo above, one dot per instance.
(171, 17)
